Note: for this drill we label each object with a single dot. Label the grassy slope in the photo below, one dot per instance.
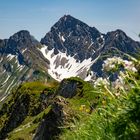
(95, 113)
(115, 118)
(33, 91)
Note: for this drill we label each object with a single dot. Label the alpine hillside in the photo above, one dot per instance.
(70, 48)
(20, 61)
(75, 84)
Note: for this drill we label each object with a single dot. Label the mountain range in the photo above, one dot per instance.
(46, 86)
(71, 48)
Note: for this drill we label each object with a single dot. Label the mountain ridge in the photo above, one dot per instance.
(39, 100)
(70, 48)
(80, 41)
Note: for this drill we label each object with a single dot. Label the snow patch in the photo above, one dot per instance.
(90, 45)
(24, 50)
(78, 39)
(5, 80)
(63, 39)
(3, 98)
(1, 59)
(63, 66)
(70, 34)
(10, 56)
(89, 77)
(10, 85)
(19, 67)
(6, 92)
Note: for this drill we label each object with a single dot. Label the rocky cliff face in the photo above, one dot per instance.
(71, 48)
(77, 39)
(71, 43)
(74, 37)
(20, 60)
(37, 110)
(41, 111)
(49, 127)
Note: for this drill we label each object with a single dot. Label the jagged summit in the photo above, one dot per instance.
(117, 33)
(68, 22)
(22, 33)
(23, 36)
(70, 37)
(120, 41)
(67, 17)
(19, 41)
(71, 48)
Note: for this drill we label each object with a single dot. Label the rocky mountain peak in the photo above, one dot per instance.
(117, 34)
(23, 37)
(120, 41)
(21, 34)
(69, 23)
(67, 17)
(19, 41)
(72, 36)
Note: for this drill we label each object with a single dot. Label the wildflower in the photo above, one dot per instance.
(118, 84)
(115, 63)
(134, 69)
(103, 102)
(101, 81)
(111, 63)
(129, 65)
(88, 110)
(117, 94)
(82, 108)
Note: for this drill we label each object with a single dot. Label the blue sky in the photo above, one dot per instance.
(38, 16)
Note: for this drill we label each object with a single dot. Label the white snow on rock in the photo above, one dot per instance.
(5, 80)
(19, 66)
(10, 56)
(1, 59)
(3, 98)
(89, 77)
(63, 66)
(24, 50)
(63, 39)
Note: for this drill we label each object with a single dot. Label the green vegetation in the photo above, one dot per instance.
(24, 109)
(75, 109)
(28, 127)
(86, 95)
(116, 116)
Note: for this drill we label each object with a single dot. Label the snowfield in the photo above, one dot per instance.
(64, 66)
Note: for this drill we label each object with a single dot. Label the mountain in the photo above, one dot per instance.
(20, 61)
(71, 48)
(39, 100)
(75, 49)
